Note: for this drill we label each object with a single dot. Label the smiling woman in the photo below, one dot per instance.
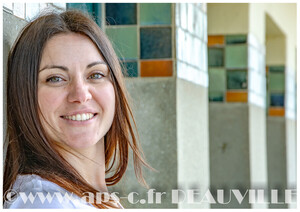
(69, 128)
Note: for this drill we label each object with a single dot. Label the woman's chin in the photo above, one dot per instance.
(81, 143)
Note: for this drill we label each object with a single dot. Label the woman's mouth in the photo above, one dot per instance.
(80, 117)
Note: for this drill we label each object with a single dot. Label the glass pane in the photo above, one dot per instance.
(237, 79)
(215, 57)
(155, 14)
(120, 13)
(236, 56)
(156, 42)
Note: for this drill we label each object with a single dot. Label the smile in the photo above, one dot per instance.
(80, 117)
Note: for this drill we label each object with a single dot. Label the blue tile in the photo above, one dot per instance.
(131, 69)
(155, 42)
(120, 13)
(277, 99)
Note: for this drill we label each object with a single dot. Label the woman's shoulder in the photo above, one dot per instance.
(32, 191)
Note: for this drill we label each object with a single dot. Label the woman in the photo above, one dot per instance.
(69, 128)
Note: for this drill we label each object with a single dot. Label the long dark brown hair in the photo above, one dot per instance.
(29, 151)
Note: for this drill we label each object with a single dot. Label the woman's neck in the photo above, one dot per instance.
(90, 164)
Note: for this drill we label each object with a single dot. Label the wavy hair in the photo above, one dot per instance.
(29, 150)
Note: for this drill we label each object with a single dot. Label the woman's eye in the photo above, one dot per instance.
(96, 76)
(54, 79)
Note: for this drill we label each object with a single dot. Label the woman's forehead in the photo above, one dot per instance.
(69, 48)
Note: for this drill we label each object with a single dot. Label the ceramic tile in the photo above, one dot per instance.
(217, 80)
(131, 68)
(237, 79)
(215, 40)
(277, 99)
(156, 68)
(236, 56)
(276, 69)
(216, 96)
(236, 39)
(155, 14)
(155, 42)
(276, 82)
(215, 57)
(276, 111)
(121, 13)
(124, 40)
(236, 96)
(190, 18)
(183, 15)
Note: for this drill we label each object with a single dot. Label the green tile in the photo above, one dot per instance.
(279, 69)
(236, 56)
(236, 79)
(215, 57)
(276, 82)
(217, 80)
(124, 40)
(155, 14)
(235, 39)
(216, 96)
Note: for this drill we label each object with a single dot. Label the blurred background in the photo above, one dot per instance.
(213, 89)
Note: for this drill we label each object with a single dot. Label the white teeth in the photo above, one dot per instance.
(80, 117)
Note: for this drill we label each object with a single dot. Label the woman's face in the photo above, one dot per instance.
(75, 93)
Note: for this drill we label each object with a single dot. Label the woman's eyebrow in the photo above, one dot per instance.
(54, 67)
(95, 63)
(66, 69)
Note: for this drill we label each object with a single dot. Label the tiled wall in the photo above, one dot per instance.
(276, 90)
(228, 68)
(236, 69)
(142, 35)
(191, 42)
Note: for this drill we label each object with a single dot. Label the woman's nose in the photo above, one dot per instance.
(79, 92)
